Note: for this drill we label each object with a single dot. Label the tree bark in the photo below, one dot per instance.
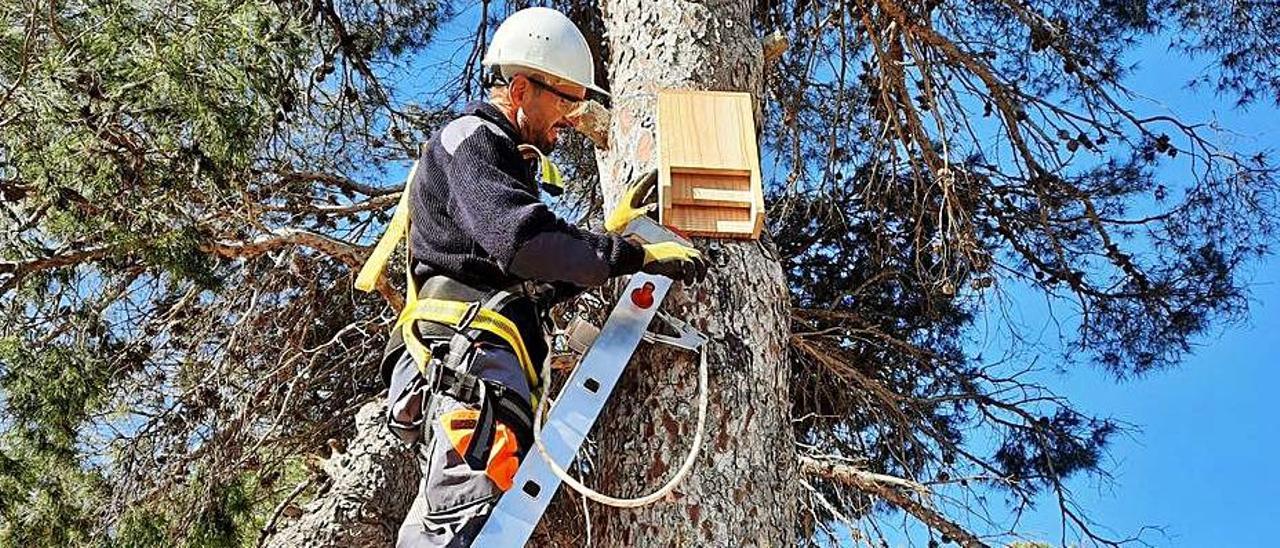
(742, 490)
(372, 486)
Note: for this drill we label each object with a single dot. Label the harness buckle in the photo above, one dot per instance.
(468, 316)
(435, 373)
(464, 387)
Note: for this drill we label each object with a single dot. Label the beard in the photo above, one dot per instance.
(544, 139)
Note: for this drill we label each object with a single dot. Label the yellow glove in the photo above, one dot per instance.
(633, 204)
(675, 261)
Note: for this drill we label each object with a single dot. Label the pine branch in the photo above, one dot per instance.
(336, 180)
(286, 237)
(376, 203)
(350, 255)
(895, 490)
(17, 270)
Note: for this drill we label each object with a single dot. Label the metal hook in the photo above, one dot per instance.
(687, 338)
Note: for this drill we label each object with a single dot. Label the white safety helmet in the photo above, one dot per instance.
(542, 40)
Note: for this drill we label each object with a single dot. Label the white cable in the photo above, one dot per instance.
(651, 497)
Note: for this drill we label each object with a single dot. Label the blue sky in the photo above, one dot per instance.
(1200, 466)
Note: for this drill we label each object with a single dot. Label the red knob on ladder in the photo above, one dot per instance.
(643, 296)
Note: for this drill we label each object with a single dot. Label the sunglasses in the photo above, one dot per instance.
(571, 100)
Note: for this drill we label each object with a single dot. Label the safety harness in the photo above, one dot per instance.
(455, 320)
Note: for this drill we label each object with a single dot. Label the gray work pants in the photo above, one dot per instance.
(453, 500)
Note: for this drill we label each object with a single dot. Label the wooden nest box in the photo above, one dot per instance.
(709, 164)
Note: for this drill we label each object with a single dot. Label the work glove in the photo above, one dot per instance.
(633, 203)
(675, 261)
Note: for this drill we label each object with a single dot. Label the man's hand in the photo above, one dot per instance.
(675, 261)
(639, 199)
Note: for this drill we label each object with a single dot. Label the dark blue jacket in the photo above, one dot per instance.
(476, 216)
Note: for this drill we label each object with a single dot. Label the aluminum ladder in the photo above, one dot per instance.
(584, 395)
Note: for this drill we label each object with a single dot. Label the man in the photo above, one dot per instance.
(462, 386)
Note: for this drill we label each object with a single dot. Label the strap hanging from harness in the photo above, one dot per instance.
(396, 231)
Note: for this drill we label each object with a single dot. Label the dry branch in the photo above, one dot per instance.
(896, 491)
(350, 255)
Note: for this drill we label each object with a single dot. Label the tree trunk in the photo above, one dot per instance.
(372, 486)
(742, 490)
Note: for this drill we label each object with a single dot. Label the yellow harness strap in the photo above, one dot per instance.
(396, 231)
(435, 310)
(550, 173)
(450, 313)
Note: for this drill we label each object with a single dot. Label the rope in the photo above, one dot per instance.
(637, 502)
